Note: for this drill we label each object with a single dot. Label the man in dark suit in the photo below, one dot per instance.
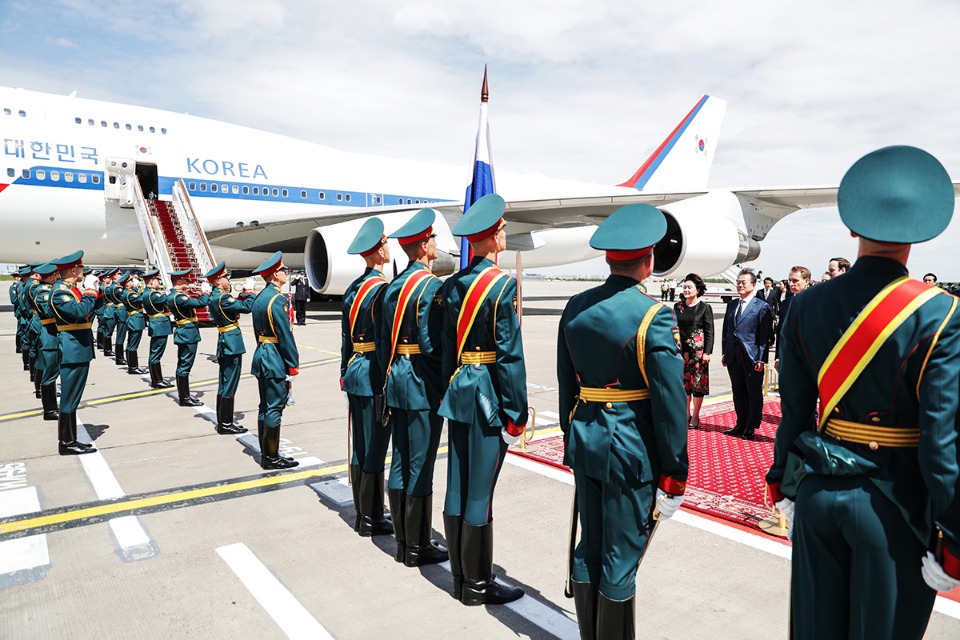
(770, 294)
(747, 328)
(301, 293)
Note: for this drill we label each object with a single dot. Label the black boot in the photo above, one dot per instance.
(100, 341)
(25, 355)
(133, 364)
(585, 601)
(397, 498)
(478, 583)
(32, 367)
(156, 377)
(37, 378)
(183, 391)
(16, 343)
(615, 618)
(119, 357)
(452, 529)
(354, 471)
(108, 346)
(421, 550)
(269, 446)
(372, 521)
(225, 423)
(67, 432)
(48, 395)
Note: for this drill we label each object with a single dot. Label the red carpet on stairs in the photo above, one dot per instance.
(726, 473)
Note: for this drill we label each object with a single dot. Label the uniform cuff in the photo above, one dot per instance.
(90, 292)
(515, 429)
(776, 494)
(672, 486)
(293, 371)
(951, 563)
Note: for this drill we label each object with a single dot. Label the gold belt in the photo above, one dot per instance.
(35, 312)
(158, 315)
(408, 349)
(478, 357)
(48, 321)
(364, 347)
(229, 327)
(188, 321)
(135, 311)
(270, 339)
(590, 394)
(111, 304)
(74, 327)
(870, 435)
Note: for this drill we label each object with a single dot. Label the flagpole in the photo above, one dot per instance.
(482, 179)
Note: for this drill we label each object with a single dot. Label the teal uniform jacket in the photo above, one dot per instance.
(480, 399)
(73, 311)
(620, 451)
(133, 303)
(847, 491)
(361, 375)
(276, 356)
(225, 311)
(14, 292)
(158, 317)
(49, 352)
(109, 313)
(183, 308)
(414, 385)
(32, 334)
(25, 314)
(120, 315)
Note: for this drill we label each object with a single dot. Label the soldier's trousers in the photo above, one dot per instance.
(273, 398)
(416, 436)
(49, 362)
(473, 465)
(370, 438)
(133, 340)
(856, 565)
(121, 334)
(158, 345)
(229, 375)
(615, 517)
(73, 378)
(109, 324)
(186, 354)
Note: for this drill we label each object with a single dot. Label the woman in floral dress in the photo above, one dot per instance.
(695, 321)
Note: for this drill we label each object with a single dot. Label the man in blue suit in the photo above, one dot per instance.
(747, 328)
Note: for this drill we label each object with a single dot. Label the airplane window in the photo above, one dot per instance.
(78, 120)
(303, 194)
(339, 197)
(11, 172)
(283, 193)
(113, 179)
(348, 197)
(103, 123)
(55, 176)
(214, 187)
(68, 176)
(203, 186)
(246, 190)
(116, 125)
(26, 173)
(41, 174)
(192, 186)
(235, 189)
(91, 122)
(129, 127)
(82, 178)
(322, 195)
(96, 178)
(378, 199)
(6, 111)
(256, 191)
(163, 130)
(139, 127)
(23, 114)
(224, 188)
(152, 130)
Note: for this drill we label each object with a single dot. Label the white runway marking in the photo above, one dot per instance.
(291, 616)
(22, 559)
(133, 541)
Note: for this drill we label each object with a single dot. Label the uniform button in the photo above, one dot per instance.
(609, 405)
(404, 339)
(478, 347)
(873, 445)
(875, 419)
(836, 409)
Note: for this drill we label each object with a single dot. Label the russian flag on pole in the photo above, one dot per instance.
(482, 181)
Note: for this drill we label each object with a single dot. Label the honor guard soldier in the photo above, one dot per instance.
(15, 303)
(24, 315)
(873, 489)
(408, 345)
(48, 352)
(108, 309)
(98, 312)
(31, 332)
(72, 309)
(485, 402)
(275, 362)
(187, 333)
(623, 416)
(225, 311)
(159, 327)
(116, 294)
(361, 377)
(136, 322)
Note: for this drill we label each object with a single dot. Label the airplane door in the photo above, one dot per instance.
(149, 180)
(374, 199)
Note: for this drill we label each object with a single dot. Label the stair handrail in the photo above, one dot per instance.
(157, 252)
(192, 231)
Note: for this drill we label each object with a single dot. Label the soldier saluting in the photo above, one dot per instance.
(48, 358)
(873, 490)
(485, 402)
(158, 327)
(187, 334)
(622, 411)
(136, 322)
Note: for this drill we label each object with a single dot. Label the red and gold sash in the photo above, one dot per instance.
(476, 294)
(862, 340)
(406, 292)
(365, 289)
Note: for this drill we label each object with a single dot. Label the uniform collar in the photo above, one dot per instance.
(879, 266)
(620, 282)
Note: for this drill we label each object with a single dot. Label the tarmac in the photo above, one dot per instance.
(173, 531)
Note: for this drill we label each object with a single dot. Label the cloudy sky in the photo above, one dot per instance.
(580, 89)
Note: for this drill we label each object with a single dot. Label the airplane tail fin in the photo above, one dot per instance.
(683, 159)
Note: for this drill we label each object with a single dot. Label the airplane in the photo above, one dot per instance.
(76, 173)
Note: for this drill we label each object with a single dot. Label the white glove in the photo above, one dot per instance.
(290, 378)
(787, 508)
(91, 282)
(667, 504)
(136, 281)
(206, 287)
(934, 575)
(509, 439)
(248, 284)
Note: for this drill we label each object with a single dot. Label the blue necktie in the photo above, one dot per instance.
(740, 307)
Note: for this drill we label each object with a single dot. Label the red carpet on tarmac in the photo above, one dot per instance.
(726, 473)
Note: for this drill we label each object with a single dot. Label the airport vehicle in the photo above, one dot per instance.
(131, 184)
